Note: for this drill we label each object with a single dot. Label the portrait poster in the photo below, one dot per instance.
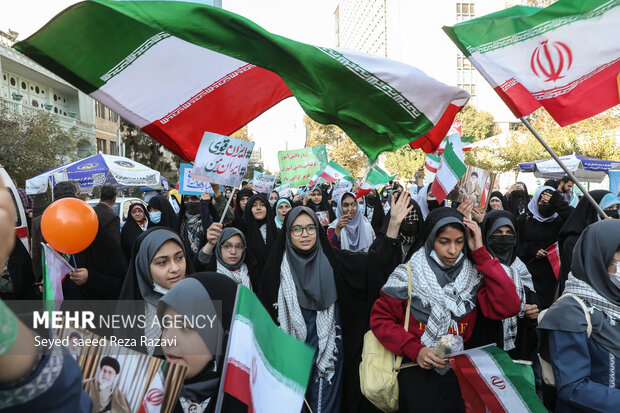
(477, 185)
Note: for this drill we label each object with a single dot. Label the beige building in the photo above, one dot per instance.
(107, 125)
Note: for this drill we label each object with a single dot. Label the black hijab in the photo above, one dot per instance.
(240, 194)
(323, 206)
(492, 221)
(592, 256)
(378, 215)
(206, 293)
(517, 200)
(502, 198)
(138, 284)
(168, 216)
(413, 218)
(132, 230)
(256, 246)
(583, 215)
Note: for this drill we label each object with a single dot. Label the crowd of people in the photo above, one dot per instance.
(327, 271)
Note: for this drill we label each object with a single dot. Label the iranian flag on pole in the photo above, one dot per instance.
(316, 177)
(563, 57)
(154, 396)
(55, 269)
(491, 382)
(177, 69)
(334, 172)
(375, 178)
(432, 161)
(553, 255)
(266, 368)
(451, 169)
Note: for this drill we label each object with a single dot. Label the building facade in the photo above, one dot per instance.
(410, 32)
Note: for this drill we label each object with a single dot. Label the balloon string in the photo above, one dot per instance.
(74, 263)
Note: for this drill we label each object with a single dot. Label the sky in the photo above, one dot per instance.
(301, 20)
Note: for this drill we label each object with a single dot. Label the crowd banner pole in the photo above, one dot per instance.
(220, 393)
(227, 204)
(569, 173)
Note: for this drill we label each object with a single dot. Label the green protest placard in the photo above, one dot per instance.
(299, 165)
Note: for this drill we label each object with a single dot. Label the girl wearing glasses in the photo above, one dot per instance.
(584, 347)
(225, 252)
(322, 296)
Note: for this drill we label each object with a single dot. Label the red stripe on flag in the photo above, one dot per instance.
(590, 97)
(362, 192)
(473, 402)
(430, 168)
(237, 384)
(465, 370)
(553, 255)
(431, 141)
(439, 191)
(224, 110)
(328, 178)
(518, 99)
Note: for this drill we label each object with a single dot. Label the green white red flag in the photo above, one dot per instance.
(451, 169)
(154, 396)
(55, 269)
(563, 57)
(266, 368)
(491, 382)
(432, 161)
(553, 255)
(177, 69)
(375, 178)
(334, 172)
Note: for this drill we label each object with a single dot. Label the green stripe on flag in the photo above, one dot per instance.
(337, 168)
(108, 29)
(282, 352)
(515, 375)
(348, 178)
(519, 23)
(434, 158)
(455, 164)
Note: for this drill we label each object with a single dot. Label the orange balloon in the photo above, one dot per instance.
(69, 225)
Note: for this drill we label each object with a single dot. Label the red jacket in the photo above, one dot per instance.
(497, 299)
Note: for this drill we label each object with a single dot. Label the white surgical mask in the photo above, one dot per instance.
(615, 278)
(434, 256)
(155, 217)
(361, 208)
(272, 202)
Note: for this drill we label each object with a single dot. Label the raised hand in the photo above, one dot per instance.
(474, 235)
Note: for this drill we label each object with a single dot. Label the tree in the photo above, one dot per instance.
(143, 149)
(593, 137)
(404, 162)
(31, 144)
(479, 124)
(340, 148)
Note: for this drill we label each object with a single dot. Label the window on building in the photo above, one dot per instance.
(100, 110)
(464, 11)
(112, 117)
(465, 74)
(101, 145)
(113, 150)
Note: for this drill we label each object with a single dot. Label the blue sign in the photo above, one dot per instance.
(189, 186)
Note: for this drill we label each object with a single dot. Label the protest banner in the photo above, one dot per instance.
(344, 185)
(263, 182)
(222, 159)
(189, 186)
(299, 165)
(284, 191)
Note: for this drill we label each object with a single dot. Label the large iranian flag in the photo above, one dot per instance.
(565, 57)
(177, 69)
(266, 368)
(491, 382)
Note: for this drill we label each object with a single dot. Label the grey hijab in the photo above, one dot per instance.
(592, 256)
(148, 248)
(227, 234)
(445, 274)
(312, 273)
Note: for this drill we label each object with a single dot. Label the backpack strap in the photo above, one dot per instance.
(399, 359)
(583, 306)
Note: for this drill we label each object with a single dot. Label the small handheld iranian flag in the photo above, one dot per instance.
(265, 368)
(432, 162)
(491, 382)
(334, 172)
(375, 178)
(316, 177)
(451, 169)
(55, 269)
(561, 57)
(553, 255)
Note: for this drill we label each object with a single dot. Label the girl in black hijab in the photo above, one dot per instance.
(261, 231)
(162, 214)
(374, 211)
(584, 344)
(583, 215)
(158, 262)
(202, 350)
(316, 200)
(497, 201)
(409, 231)
(322, 295)
(133, 228)
(518, 199)
(243, 196)
(516, 335)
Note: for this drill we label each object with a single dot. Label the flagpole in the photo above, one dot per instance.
(227, 203)
(569, 173)
(220, 392)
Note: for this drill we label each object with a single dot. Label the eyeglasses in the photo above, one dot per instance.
(228, 247)
(297, 230)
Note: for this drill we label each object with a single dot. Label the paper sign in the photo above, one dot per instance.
(263, 183)
(299, 165)
(285, 191)
(221, 159)
(340, 188)
(189, 186)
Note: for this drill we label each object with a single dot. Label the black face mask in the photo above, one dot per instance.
(409, 229)
(371, 199)
(434, 204)
(545, 210)
(519, 193)
(502, 244)
(612, 213)
(192, 207)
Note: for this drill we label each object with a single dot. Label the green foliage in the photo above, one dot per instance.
(479, 124)
(33, 143)
(404, 162)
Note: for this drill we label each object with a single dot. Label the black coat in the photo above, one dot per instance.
(20, 271)
(359, 278)
(131, 231)
(108, 221)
